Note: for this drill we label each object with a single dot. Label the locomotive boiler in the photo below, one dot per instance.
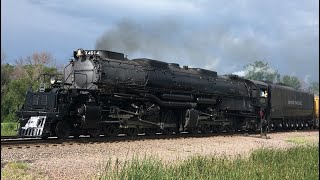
(103, 92)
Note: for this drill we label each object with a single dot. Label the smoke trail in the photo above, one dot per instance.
(173, 41)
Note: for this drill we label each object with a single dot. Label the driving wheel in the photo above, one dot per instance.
(62, 130)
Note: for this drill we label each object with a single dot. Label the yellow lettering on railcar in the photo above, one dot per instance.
(316, 106)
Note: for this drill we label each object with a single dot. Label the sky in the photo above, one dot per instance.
(218, 35)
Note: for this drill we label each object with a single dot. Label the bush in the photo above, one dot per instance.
(10, 118)
(9, 129)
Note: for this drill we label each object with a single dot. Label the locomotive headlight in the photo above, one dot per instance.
(52, 80)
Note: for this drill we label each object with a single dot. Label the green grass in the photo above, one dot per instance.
(300, 162)
(19, 170)
(8, 129)
(298, 141)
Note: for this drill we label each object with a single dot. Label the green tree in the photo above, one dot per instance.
(261, 71)
(314, 88)
(6, 71)
(13, 98)
(16, 79)
(291, 81)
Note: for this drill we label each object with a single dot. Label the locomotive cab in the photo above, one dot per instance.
(261, 92)
(263, 96)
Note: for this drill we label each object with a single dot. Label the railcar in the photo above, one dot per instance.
(316, 111)
(290, 108)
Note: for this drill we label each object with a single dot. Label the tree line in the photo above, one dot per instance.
(17, 78)
(261, 71)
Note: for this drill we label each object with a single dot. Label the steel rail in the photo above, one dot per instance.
(19, 143)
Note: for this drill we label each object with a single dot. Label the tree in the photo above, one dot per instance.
(13, 98)
(291, 81)
(15, 80)
(314, 88)
(261, 71)
(34, 65)
(6, 71)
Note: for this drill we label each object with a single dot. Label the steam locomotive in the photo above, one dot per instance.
(103, 92)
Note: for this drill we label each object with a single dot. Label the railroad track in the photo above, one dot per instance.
(37, 142)
(88, 140)
(9, 137)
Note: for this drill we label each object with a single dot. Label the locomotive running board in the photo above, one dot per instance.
(34, 127)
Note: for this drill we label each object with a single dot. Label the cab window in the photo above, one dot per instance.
(263, 93)
(263, 96)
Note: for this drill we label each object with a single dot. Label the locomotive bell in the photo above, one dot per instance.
(52, 80)
(80, 52)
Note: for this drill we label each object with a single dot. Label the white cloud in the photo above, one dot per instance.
(251, 68)
(101, 11)
(240, 73)
(306, 79)
(238, 32)
(177, 6)
(26, 28)
(213, 64)
(26, 16)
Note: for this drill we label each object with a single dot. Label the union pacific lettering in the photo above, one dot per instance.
(292, 102)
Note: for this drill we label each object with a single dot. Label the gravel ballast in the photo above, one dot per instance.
(85, 161)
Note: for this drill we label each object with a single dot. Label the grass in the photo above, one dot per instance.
(19, 170)
(8, 129)
(301, 162)
(298, 140)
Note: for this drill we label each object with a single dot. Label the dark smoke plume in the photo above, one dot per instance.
(173, 41)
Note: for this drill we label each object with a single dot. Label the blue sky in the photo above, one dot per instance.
(218, 35)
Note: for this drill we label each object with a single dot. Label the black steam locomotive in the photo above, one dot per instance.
(102, 92)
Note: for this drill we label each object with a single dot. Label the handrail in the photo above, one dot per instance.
(44, 75)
